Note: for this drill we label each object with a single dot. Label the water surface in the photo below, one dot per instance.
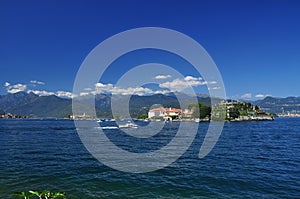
(250, 160)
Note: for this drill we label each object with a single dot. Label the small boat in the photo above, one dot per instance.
(129, 124)
(197, 120)
(106, 127)
(109, 127)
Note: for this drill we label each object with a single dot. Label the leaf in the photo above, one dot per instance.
(34, 193)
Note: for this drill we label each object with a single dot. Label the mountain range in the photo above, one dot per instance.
(280, 105)
(30, 104)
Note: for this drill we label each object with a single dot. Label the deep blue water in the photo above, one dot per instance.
(250, 160)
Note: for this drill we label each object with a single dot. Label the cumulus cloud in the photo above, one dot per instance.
(84, 94)
(162, 76)
(41, 93)
(65, 94)
(247, 95)
(23, 87)
(37, 82)
(109, 88)
(181, 84)
(190, 78)
(215, 88)
(262, 95)
(15, 88)
(175, 85)
(47, 93)
(162, 92)
(212, 82)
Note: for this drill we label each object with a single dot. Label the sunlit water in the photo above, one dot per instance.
(250, 160)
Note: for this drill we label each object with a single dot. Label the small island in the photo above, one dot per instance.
(226, 110)
(245, 111)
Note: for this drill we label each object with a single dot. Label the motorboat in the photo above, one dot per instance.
(129, 124)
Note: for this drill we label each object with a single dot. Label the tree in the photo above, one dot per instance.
(256, 108)
(142, 116)
(200, 110)
(234, 113)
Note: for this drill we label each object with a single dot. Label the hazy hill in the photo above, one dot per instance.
(280, 105)
(44, 106)
(30, 104)
(11, 101)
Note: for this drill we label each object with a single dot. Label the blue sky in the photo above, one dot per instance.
(255, 44)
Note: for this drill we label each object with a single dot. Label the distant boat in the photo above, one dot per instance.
(197, 120)
(109, 127)
(129, 124)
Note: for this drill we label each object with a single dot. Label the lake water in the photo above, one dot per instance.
(250, 160)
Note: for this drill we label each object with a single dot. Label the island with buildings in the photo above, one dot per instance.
(227, 110)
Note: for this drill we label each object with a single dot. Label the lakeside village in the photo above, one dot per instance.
(228, 110)
(4, 115)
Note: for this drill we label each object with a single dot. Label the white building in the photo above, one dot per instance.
(156, 112)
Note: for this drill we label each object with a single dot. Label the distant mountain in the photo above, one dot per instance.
(29, 104)
(280, 105)
(44, 106)
(10, 101)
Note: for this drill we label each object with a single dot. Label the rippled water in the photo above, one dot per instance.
(250, 160)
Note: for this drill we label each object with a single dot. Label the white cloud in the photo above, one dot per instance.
(65, 94)
(131, 91)
(41, 93)
(181, 84)
(247, 95)
(162, 92)
(37, 82)
(162, 76)
(15, 88)
(87, 89)
(212, 82)
(109, 88)
(23, 87)
(262, 95)
(215, 88)
(6, 84)
(102, 88)
(84, 94)
(190, 78)
(47, 93)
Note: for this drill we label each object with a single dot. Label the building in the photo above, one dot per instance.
(168, 113)
(156, 112)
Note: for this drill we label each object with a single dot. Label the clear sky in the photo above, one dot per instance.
(255, 44)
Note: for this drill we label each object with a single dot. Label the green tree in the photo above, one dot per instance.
(200, 110)
(234, 113)
(142, 116)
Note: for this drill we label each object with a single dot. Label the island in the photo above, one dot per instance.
(226, 110)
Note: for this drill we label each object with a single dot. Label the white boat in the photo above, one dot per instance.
(129, 124)
(106, 127)
(109, 127)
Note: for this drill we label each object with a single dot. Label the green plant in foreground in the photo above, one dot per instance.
(42, 195)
